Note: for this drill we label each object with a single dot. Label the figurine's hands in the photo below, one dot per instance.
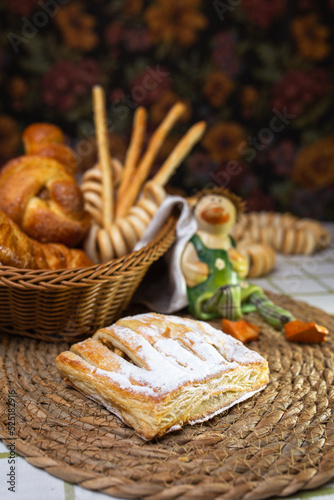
(239, 262)
(195, 273)
(194, 270)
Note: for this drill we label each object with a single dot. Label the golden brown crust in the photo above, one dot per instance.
(158, 372)
(132, 158)
(41, 133)
(44, 200)
(144, 166)
(261, 257)
(18, 250)
(60, 152)
(104, 158)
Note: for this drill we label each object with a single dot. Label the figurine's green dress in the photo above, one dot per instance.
(224, 294)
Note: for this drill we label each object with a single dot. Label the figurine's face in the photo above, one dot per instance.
(215, 213)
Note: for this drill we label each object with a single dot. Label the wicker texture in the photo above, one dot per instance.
(72, 304)
(277, 443)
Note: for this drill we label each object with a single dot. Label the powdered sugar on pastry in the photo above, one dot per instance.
(159, 372)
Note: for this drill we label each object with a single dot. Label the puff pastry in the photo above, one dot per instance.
(157, 372)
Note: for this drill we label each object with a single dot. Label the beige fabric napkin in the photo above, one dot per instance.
(164, 289)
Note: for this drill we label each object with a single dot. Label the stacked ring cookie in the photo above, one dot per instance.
(91, 187)
(283, 232)
(121, 237)
(261, 257)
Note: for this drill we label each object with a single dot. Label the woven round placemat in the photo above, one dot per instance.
(276, 443)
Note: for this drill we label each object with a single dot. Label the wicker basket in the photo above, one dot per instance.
(68, 305)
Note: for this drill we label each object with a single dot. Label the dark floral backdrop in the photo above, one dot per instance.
(259, 72)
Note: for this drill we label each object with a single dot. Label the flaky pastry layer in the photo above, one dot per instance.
(157, 372)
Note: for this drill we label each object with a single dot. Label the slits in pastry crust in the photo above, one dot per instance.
(157, 372)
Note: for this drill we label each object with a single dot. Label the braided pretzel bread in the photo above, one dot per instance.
(18, 250)
(283, 232)
(41, 133)
(63, 154)
(44, 200)
(47, 140)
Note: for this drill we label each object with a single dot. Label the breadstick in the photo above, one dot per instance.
(146, 163)
(132, 156)
(103, 154)
(178, 154)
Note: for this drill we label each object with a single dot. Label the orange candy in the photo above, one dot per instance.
(241, 330)
(303, 331)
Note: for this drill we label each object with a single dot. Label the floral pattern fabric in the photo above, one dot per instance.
(259, 72)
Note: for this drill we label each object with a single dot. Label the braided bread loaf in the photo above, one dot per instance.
(41, 133)
(283, 232)
(45, 139)
(39, 195)
(59, 152)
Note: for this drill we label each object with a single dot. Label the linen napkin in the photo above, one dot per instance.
(164, 290)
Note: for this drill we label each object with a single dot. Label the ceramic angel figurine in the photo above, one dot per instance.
(214, 271)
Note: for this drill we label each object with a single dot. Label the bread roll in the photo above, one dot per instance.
(41, 133)
(18, 250)
(63, 154)
(45, 201)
